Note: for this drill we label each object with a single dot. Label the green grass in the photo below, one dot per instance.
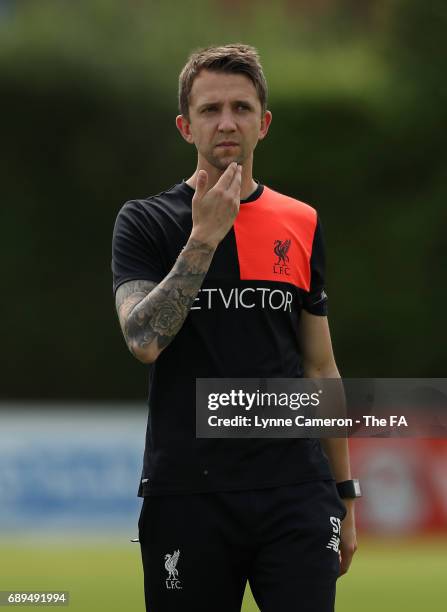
(386, 576)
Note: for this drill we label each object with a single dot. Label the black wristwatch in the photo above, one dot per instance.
(349, 489)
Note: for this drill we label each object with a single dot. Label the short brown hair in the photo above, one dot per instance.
(235, 58)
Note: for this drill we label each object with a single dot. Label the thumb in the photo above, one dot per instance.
(202, 182)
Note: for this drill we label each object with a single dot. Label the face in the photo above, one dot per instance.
(225, 118)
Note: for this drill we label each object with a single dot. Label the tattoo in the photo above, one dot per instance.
(129, 295)
(149, 312)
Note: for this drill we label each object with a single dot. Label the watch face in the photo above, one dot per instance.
(357, 490)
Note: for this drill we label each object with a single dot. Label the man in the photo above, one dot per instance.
(222, 277)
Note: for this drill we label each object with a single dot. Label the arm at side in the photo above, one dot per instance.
(319, 362)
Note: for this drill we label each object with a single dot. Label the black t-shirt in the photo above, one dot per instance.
(242, 324)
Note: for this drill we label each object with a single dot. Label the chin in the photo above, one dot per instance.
(222, 164)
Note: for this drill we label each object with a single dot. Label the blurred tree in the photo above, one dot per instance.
(418, 47)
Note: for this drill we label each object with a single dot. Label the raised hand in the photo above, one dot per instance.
(214, 210)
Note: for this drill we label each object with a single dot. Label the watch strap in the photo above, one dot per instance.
(349, 489)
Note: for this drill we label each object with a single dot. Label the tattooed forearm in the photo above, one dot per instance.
(150, 314)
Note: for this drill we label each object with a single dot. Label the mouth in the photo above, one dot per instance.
(227, 144)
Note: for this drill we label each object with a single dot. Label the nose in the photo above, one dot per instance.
(226, 122)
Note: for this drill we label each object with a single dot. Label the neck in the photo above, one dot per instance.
(248, 185)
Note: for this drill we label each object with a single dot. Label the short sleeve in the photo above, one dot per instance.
(135, 248)
(315, 300)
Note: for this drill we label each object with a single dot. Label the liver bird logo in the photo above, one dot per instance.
(280, 249)
(170, 564)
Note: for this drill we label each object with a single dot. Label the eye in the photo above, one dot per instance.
(243, 107)
(209, 109)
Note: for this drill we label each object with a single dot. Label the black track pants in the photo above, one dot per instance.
(199, 550)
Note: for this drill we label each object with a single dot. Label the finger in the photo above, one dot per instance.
(345, 561)
(235, 187)
(202, 184)
(227, 177)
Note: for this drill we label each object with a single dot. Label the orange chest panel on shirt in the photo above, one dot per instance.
(274, 236)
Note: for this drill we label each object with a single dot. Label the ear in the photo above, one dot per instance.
(265, 124)
(184, 127)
